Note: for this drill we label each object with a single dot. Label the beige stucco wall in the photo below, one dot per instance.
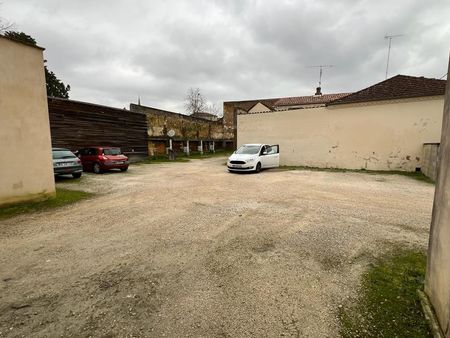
(437, 285)
(26, 170)
(379, 136)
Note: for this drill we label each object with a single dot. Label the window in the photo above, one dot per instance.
(113, 151)
(60, 154)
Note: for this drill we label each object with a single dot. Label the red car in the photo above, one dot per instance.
(99, 159)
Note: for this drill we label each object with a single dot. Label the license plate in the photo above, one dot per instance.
(237, 165)
(64, 164)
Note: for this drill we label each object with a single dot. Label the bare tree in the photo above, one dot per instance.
(195, 101)
(4, 25)
(213, 109)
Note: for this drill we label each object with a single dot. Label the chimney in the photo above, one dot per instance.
(318, 91)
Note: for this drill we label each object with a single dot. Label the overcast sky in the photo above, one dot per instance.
(112, 51)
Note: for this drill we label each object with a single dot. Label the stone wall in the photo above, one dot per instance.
(437, 284)
(198, 131)
(429, 160)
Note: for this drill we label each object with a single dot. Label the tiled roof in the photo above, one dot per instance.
(397, 87)
(311, 99)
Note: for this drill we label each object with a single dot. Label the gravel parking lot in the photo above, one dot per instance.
(189, 250)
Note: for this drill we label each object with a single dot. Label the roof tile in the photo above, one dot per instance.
(310, 99)
(397, 87)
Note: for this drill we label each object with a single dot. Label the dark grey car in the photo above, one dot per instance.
(66, 163)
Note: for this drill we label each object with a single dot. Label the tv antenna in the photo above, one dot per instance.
(390, 37)
(321, 67)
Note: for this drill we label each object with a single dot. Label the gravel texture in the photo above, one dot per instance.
(189, 250)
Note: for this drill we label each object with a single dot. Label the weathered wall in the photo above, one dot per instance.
(378, 136)
(76, 125)
(185, 127)
(437, 284)
(27, 171)
(429, 160)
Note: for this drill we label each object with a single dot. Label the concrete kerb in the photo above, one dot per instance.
(429, 314)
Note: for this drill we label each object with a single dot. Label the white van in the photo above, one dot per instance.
(254, 157)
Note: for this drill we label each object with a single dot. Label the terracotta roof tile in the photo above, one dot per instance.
(311, 99)
(397, 87)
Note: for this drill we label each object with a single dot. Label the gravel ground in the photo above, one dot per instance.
(189, 250)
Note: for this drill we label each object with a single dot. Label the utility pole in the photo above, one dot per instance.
(390, 37)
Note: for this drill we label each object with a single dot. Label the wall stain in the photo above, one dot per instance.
(18, 185)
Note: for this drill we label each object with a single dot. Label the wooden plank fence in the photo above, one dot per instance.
(75, 125)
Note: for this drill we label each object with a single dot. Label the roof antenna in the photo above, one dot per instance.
(390, 37)
(318, 89)
(139, 100)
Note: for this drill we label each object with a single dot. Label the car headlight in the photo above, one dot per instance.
(250, 160)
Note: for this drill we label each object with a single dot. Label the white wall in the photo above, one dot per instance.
(384, 135)
(26, 170)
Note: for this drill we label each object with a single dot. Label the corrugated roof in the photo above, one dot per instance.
(397, 87)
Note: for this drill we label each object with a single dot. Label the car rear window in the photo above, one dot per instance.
(112, 151)
(60, 154)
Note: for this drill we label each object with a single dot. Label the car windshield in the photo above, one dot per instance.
(60, 154)
(111, 151)
(250, 150)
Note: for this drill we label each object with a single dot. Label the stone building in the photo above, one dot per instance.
(183, 133)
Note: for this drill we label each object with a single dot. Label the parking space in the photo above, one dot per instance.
(189, 250)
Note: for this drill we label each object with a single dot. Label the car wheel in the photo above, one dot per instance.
(97, 168)
(258, 167)
(76, 175)
(124, 169)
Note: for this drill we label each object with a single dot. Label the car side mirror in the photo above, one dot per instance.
(264, 152)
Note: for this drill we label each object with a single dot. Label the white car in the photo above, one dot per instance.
(254, 157)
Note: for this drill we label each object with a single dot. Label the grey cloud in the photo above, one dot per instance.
(111, 52)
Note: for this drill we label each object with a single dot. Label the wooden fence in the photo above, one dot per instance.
(75, 125)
